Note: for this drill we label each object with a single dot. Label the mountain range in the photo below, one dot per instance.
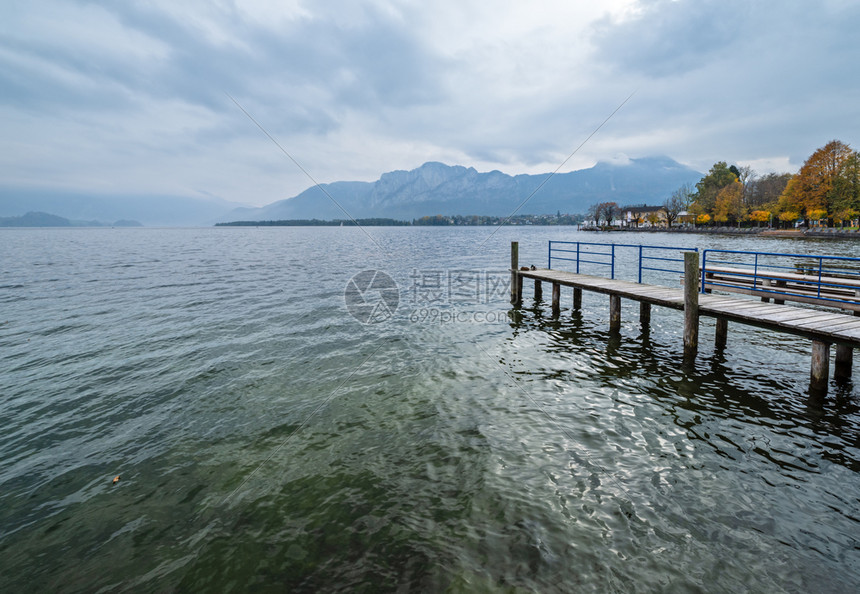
(432, 189)
(436, 188)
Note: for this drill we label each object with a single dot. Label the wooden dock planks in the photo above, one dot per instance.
(840, 328)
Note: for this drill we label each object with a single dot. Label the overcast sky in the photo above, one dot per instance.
(132, 97)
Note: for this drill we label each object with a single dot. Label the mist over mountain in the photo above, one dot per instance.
(43, 219)
(436, 188)
(148, 209)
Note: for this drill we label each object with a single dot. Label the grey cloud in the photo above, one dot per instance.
(303, 77)
(384, 65)
(671, 37)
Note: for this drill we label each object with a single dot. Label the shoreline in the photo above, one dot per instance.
(814, 233)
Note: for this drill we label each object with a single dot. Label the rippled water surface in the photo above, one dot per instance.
(268, 441)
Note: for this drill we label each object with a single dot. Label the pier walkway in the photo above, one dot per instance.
(823, 328)
(814, 324)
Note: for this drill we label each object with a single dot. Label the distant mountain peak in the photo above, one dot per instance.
(436, 188)
(660, 161)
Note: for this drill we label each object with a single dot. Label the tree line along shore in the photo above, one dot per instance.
(824, 194)
(426, 221)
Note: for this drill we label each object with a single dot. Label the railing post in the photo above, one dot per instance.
(691, 304)
(820, 262)
(549, 257)
(515, 277)
(755, 272)
(612, 276)
(704, 263)
(577, 257)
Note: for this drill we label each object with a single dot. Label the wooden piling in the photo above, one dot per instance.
(818, 374)
(516, 279)
(556, 298)
(691, 303)
(722, 333)
(577, 298)
(519, 289)
(538, 290)
(844, 360)
(614, 312)
(765, 283)
(779, 283)
(644, 315)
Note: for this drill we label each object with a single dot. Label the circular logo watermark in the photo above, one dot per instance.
(371, 296)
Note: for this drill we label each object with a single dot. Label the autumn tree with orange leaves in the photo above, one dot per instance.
(826, 186)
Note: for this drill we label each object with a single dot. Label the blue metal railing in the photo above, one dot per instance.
(605, 254)
(766, 272)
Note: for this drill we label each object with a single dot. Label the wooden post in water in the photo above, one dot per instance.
(820, 367)
(691, 303)
(644, 315)
(577, 298)
(779, 301)
(844, 360)
(516, 279)
(538, 290)
(614, 312)
(722, 333)
(556, 298)
(519, 289)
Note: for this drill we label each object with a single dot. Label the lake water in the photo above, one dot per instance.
(267, 440)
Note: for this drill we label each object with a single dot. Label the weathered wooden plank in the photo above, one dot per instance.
(820, 321)
(769, 312)
(745, 305)
(849, 324)
(742, 308)
(788, 316)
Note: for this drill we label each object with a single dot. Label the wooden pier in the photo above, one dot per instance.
(822, 328)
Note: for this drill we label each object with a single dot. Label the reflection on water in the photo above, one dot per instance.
(268, 441)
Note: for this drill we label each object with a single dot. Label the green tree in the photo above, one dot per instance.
(710, 186)
(846, 190)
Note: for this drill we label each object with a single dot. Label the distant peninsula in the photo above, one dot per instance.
(43, 219)
(434, 221)
(376, 222)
